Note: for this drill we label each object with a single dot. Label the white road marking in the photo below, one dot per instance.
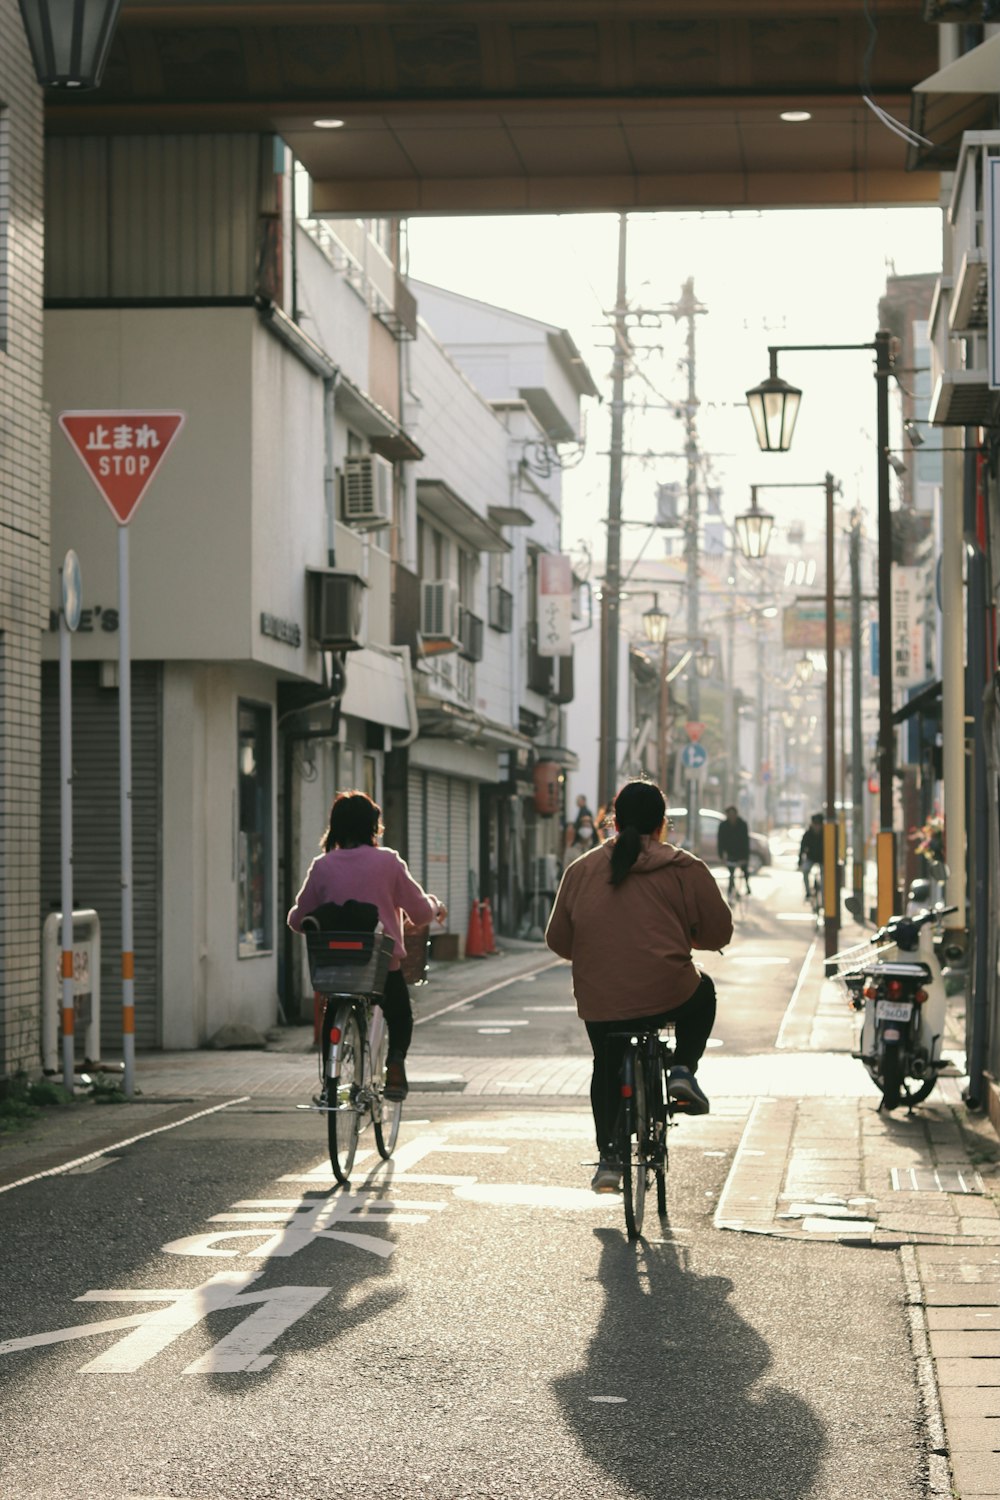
(494, 1031)
(610, 1400)
(517, 979)
(759, 963)
(305, 1220)
(493, 1021)
(795, 916)
(800, 981)
(549, 1010)
(534, 1195)
(80, 1161)
(151, 1332)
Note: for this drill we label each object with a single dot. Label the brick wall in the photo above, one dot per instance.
(24, 541)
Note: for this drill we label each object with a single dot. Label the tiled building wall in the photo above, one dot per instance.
(24, 541)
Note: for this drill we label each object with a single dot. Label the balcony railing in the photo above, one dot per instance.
(470, 636)
(501, 609)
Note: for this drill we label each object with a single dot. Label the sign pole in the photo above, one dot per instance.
(66, 861)
(121, 451)
(125, 779)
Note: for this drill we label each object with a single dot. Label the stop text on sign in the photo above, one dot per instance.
(121, 451)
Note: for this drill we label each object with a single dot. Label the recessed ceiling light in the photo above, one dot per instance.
(328, 124)
(794, 116)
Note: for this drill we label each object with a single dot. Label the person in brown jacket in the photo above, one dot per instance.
(627, 916)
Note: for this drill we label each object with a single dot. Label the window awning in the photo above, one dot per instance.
(438, 499)
(380, 428)
(954, 100)
(975, 72)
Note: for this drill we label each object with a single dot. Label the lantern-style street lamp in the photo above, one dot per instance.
(69, 40)
(704, 662)
(774, 406)
(655, 623)
(753, 528)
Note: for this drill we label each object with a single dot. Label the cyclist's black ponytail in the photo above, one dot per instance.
(639, 808)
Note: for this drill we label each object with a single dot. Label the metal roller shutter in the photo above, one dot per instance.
(436, 852)
(96, 837)
(415, 811)
(459, 857)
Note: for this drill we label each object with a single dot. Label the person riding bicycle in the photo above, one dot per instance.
(353, 867)
(734, 847)
(811, 849)
(627, 916)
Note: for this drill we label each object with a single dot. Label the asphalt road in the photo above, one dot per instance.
(470, 1322)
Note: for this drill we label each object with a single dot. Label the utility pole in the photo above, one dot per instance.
(688, 308)
(611, 594)
(856, 905)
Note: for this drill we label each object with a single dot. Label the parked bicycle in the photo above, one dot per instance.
(349, 968)
(643, 1121)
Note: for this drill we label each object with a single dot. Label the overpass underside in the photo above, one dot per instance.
(535, 106)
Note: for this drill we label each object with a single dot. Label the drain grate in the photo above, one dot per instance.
(936, 1180)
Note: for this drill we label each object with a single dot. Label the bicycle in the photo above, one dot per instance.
(350, 969)
(736, 897)
(643, 1121)
(814, 886)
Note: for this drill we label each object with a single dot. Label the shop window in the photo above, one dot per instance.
(254, 889)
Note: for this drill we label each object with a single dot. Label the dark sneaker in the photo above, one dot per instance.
(607, 1178)
(396, 1086)
(683, 1089)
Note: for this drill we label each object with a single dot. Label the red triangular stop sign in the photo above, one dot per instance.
(121, 451)
(694, 730)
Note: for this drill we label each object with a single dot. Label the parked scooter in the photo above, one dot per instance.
(901, 991)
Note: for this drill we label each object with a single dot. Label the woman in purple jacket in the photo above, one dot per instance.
(354, 867)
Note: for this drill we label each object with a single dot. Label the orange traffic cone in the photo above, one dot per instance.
(489, 938)
(474, 937)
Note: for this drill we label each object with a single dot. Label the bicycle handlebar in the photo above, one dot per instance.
(932, 914)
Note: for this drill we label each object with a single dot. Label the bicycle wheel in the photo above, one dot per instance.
(343, 1120)
(634, 1130)
(386, 1113)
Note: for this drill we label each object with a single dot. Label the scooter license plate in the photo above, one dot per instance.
(892, 1010)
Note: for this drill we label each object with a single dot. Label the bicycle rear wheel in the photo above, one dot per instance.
(343, 1120)
(632, 1144)
(386, 1113)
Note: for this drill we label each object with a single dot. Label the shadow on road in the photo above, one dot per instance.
(694, 1422)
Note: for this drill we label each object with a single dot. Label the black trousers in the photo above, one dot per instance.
(693, 1022)
(395, 1003)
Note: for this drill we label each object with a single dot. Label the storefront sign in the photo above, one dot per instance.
(803, 626)
(555, 604)
(907, 626)
(281, 630)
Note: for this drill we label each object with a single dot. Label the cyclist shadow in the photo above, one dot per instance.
(692, 1424)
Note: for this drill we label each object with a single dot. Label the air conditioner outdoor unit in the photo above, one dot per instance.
(367, 491)
(439, 615)
(335, 605)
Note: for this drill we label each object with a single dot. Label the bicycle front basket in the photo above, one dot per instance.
(348, 963)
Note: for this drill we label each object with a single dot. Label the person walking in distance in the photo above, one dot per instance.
(811, 849)
(734, 848)
(354, 867)
(627, 916)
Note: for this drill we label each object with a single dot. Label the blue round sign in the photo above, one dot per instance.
(694, 757)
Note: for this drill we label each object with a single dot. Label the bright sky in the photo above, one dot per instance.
(783, 277)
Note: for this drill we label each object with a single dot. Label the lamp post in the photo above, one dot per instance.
(656, 625)
(69, 40)
(831, 895)
(774, 406)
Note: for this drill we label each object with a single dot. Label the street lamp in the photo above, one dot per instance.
(655, 623)
(753, 528)
(774, 407)
(804, 668)
(782, 421)
(704, 662)
(69, 40)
